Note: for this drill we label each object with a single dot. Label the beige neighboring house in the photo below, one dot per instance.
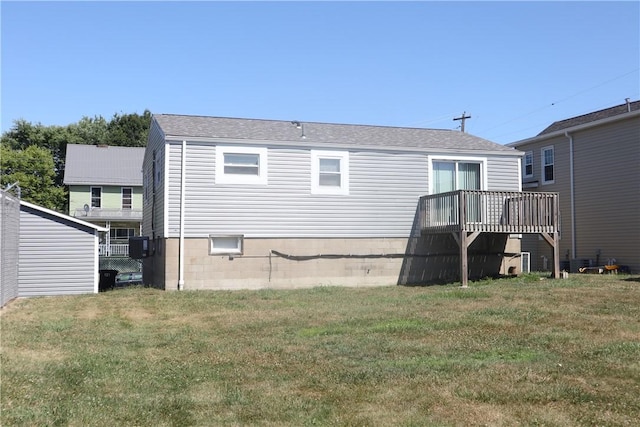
(593, 162)
(105, 188)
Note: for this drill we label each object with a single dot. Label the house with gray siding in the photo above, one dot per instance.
(58, 254)
(243, 203)
(593, 162)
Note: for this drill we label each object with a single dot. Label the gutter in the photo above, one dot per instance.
(183, 168)
(572, 192)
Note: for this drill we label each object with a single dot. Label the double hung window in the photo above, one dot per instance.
(547, 165)
(96, 197)
(127, 197)
(329, 172)
(528, 164)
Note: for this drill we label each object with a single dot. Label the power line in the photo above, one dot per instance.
(553, 104)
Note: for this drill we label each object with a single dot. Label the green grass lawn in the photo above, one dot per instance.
(520, 351)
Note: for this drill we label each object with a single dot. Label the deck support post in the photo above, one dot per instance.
(552, 240)
(464, 263)
(464, 240)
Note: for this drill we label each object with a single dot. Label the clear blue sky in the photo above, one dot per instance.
(514, 67)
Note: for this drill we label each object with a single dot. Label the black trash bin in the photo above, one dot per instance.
(107, 280)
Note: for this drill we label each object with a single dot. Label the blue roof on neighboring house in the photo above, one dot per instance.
(103, 165)
(316, 134)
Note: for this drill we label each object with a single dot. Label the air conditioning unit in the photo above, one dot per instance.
(138, 247)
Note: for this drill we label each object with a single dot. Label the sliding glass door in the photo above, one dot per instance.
(450, 175)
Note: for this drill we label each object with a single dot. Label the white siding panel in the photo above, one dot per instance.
(56, 257)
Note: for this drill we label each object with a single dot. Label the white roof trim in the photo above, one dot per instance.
(63, 216)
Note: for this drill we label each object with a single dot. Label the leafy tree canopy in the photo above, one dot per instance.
(42, 183)
(33, 169)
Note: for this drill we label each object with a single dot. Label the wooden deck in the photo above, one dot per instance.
(467, 213)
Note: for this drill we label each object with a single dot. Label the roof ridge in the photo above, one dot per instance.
(302, 122)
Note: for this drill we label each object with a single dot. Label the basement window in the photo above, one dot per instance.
(225, 245)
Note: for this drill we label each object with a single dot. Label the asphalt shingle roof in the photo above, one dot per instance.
(591, 117)
(318, 134)
(103, 165)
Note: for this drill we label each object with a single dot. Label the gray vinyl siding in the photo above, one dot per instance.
(57, 257)
(153, 213)
(502, 174)
(384, 188)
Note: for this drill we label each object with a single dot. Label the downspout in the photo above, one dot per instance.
(573, 200)
(183, 168)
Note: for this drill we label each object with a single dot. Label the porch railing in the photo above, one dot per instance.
(113, 249)
(109, 214)
(490, 211)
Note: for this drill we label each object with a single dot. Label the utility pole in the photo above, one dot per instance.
(462, 119)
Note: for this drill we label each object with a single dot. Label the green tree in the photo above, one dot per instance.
(26, 142)
(130, 130)
(33, 169)
(52, 138)
(88, 131)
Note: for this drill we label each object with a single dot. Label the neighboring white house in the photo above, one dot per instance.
(58, 254)
(245, 203)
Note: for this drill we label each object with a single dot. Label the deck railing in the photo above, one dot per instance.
(490, 211)
(117, 249)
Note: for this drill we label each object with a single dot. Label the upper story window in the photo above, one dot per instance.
(127, 197)
(528, 164)
(547, 165)
(241, 165)
(96, 197)
(329, 172)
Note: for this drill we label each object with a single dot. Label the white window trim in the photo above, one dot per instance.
(524, 162)
(238, 250)
(222, 178)
(542, 165)
(316, 188)
(91, 196)
(122, 198)
(440, 158)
